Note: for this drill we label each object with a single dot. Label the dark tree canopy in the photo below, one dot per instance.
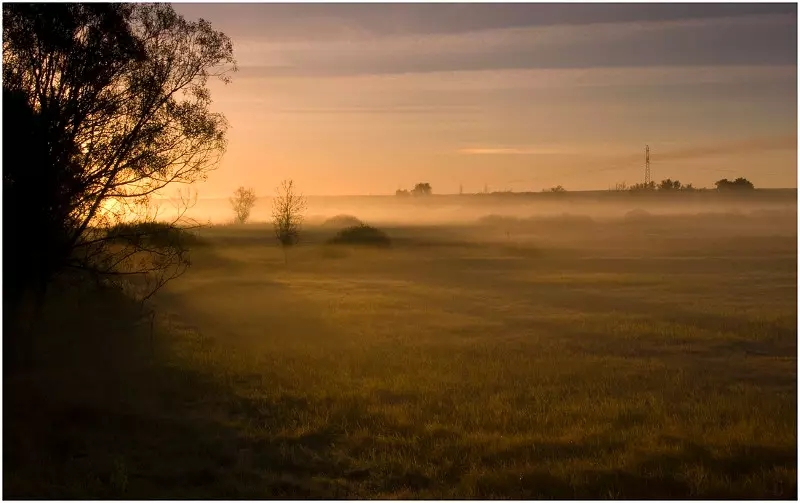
(669, 184)
(738, 184)
(106, 105)
(637, 187)
(422, 189)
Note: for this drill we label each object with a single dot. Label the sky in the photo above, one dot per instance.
(368, 98)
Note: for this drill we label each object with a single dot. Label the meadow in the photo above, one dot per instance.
(637, 356)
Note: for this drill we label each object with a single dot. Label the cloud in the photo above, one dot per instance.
(292, 22)
(760, 39)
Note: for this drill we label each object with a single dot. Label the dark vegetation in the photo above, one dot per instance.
(738, 184)
(341, 221)
(147, 235)
(105, 105)
(361, 235)
(420, 189)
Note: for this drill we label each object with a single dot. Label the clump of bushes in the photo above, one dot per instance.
(158, 234)
(361, 235)
(342, 222)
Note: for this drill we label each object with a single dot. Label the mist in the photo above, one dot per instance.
(464, 209)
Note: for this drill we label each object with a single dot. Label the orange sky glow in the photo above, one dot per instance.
(366, 99)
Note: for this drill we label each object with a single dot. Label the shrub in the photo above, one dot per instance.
(158, 234)
(342, 222)
(361, 235)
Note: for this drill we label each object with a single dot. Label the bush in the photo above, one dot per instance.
(342, 222)
(156, 234)
(361, 235)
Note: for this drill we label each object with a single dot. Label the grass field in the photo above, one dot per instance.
(640, 357)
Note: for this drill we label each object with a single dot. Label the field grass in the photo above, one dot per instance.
(648, 357)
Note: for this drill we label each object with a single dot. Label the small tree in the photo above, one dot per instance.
(242, 203)
(422, 189)
(637, 187)
(558, 189)
(669, 184)
(287, 209)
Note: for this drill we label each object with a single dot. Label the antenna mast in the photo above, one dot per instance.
(647, 164)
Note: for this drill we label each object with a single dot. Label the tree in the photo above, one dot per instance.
(558, 189)
(738, 184)
(116, 108)
(287, 215)
(401, 192)
(637, 187)
(242, 203)
(669, 184)
(421, 189)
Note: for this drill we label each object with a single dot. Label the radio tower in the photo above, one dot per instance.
(647, 165)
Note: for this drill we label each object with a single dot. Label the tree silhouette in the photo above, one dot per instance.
(287, 215)
(115, 108)
(669, 184)
(242, 202)
(738, 184)
(637, 187)
(421, 189)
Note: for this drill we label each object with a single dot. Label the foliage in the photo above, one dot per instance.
(160, 234)
(738, 184)
(669, 184)
(287, 214)
(638, 187)
(242, 202)
(115, 108)
(422, 189)
(673, 185)
(402, 192)
(558, 189)
(363, 235)
(341, 221)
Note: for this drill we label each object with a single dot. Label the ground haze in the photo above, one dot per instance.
(651, 354)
